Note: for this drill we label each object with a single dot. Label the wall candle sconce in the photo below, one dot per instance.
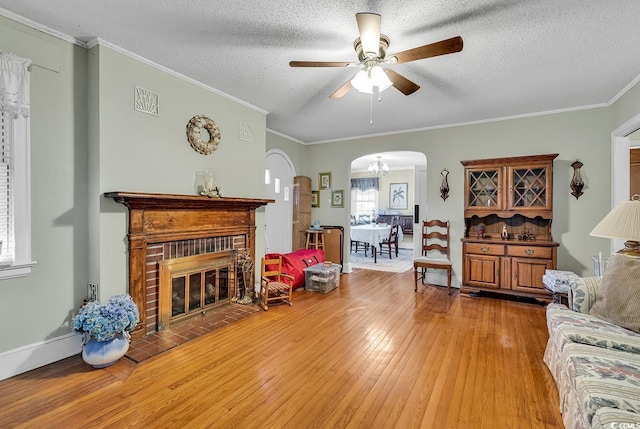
(444, 186)
(576, 182)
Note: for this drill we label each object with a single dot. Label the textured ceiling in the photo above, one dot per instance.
(519, 57)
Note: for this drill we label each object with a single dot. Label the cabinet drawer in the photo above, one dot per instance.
(530, 252)
(485, 249)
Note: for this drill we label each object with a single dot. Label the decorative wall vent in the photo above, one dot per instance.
(147, 101)
(246, 132)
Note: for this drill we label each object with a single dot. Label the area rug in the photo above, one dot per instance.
(402, 263)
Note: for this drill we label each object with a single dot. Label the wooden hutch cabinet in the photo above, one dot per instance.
(512, 196)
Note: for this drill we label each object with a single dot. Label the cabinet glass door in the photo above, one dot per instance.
(483, 189)
(528, 187)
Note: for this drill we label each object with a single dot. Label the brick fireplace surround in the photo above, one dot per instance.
(164, 226)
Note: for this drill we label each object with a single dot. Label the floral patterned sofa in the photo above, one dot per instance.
(595, 363)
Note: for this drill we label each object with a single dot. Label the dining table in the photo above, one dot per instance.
(372, 234)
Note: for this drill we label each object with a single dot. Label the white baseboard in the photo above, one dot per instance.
(439, 277)
(32, 356)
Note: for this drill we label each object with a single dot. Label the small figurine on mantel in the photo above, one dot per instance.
(215, 192)
(504, 234)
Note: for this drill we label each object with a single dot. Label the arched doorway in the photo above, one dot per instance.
(279, 174)
(405, 167)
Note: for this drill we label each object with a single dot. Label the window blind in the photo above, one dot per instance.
(7, 250)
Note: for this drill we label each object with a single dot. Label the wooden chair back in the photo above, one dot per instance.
(435, 237)
(269, 270)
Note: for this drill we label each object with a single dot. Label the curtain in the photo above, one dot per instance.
(365, 183)
(14, 84)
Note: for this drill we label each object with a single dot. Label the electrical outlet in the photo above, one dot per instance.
(92, 292)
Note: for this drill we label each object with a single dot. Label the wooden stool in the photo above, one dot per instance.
(314, 239)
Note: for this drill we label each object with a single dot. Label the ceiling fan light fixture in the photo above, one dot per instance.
(362, 82)
(380, 78)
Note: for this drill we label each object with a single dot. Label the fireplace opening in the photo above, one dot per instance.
(192, 285)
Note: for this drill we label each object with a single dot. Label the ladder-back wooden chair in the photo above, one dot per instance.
(274, 285)
(435, 238)
(391, 241)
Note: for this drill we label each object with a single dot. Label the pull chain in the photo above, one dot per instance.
(371, 109)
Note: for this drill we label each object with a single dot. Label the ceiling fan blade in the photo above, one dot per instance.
(320, 64)
(369, 28)
(442, 47)
(340, 92)
(401, 83)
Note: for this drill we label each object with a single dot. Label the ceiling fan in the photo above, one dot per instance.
(371, 48)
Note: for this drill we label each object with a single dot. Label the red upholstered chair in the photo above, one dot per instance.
(274, 285)
(435, 238)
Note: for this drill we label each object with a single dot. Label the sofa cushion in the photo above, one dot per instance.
(610, 418)
(566, 326)
(583, 293)
(618, 298)
(599, 378)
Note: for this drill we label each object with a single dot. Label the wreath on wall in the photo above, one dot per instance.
(194, 129)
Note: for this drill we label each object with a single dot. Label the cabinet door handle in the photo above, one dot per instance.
(529, 252)
(484, 249)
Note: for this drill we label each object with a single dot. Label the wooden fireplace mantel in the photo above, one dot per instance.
(159, 218)
(139, 200)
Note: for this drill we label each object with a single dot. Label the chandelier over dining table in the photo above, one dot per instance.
(380, 168)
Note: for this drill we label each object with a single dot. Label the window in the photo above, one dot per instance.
(15, 191)
(364, 199)
(364, 203)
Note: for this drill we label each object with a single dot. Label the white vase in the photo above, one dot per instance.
(101, 354)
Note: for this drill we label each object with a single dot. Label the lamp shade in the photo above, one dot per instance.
(623, 222)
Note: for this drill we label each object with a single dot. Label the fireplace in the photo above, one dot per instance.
(194, 285)
(164, 229)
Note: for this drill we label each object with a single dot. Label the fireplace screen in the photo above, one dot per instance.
(192, 285)
(204, 288)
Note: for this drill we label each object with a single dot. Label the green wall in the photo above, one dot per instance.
(39, 307)
(87, 139)
(145, 153)
(581, 134)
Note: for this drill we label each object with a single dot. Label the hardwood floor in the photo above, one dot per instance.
(371, 354)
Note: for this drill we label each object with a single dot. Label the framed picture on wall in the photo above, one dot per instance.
(337, 198)
(324, 180)
(398, 198)
(315, 199)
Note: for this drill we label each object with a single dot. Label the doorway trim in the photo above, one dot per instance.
(289, 204)
(620, 180)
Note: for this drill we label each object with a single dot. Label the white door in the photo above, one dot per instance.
(279, 215)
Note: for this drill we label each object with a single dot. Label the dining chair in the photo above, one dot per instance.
(357, 243)
(435, 239)
(392, 240)
(364, 218)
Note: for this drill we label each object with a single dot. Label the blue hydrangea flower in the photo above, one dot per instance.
(104, 322)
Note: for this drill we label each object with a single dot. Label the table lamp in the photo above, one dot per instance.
(623, 222)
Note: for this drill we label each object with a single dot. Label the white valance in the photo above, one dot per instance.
(14, 84)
